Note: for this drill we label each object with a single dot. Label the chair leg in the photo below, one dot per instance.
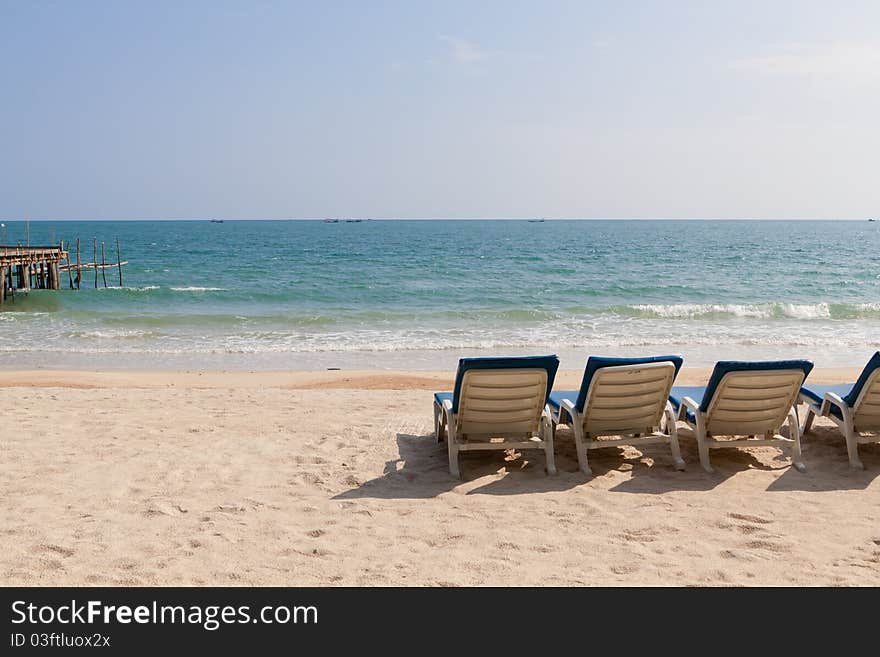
(852, 447)
(549, 453)
(795, 435)
(672, 430)
(581, 446)
(703, 447)
(451, 443)
(439, 423)
(551, 461)
(454, 470)
(808, 420)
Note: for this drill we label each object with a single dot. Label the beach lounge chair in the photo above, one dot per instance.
(745, 399)
(497, 403)
(625, 397)
(854, 408)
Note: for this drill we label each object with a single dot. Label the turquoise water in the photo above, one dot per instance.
(420, 294)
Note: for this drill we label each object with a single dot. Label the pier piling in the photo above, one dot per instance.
(103, 264)
(119, 261)
(69, 273)
(78, 268)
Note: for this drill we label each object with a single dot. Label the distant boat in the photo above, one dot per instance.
(872, 220)
(353, 221)
(536, 221)
(331, 221)
(216, 221)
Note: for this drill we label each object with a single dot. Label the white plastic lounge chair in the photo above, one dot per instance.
(745, 399)
(854, 408)
(625, 397)
(497, 403)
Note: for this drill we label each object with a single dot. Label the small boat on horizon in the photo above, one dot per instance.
(216, 221)
(331, 221)
(536, 221)
(872, 220)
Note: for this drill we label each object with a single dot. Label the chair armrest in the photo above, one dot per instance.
(805, 399)
(568, 406)
(833, 398)
(687, 404)
(450, 419)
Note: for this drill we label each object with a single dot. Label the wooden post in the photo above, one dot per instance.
(56, 277)
(119, 261)
(2, 284)
(69, 273)
(78, 267)
(103, 264)
(95, 259)
(25, 274)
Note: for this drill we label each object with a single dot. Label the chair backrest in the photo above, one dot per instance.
(596, 363)
(502, 402)
(628, 398)
(866, 407)
(867, 372)
(746, 398)
(502, 395)
(548, 363)
(865, 395)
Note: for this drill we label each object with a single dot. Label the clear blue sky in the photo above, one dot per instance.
(439, 109)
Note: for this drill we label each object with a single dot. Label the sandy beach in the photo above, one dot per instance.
(334, 478)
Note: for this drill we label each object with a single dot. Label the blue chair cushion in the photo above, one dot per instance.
(549, 363)
(817, 393)
(678, 392)
(439, 397)
(848, 392)
(556, 397)
(555, 400)
(723, 367)
(595, 363)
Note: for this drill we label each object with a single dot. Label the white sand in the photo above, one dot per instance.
(317, 478)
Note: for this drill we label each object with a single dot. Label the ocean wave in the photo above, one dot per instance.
(598, 336)
(133, 334)
(803, 311)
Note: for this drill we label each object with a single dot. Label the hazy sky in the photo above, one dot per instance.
(439, 109)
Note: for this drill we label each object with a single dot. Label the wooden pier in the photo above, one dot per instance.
(25, 268)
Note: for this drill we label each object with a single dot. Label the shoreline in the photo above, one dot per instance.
(365, 379)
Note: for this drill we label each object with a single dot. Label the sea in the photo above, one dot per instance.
(411, 294)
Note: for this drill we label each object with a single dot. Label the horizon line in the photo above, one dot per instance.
(343, 219)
